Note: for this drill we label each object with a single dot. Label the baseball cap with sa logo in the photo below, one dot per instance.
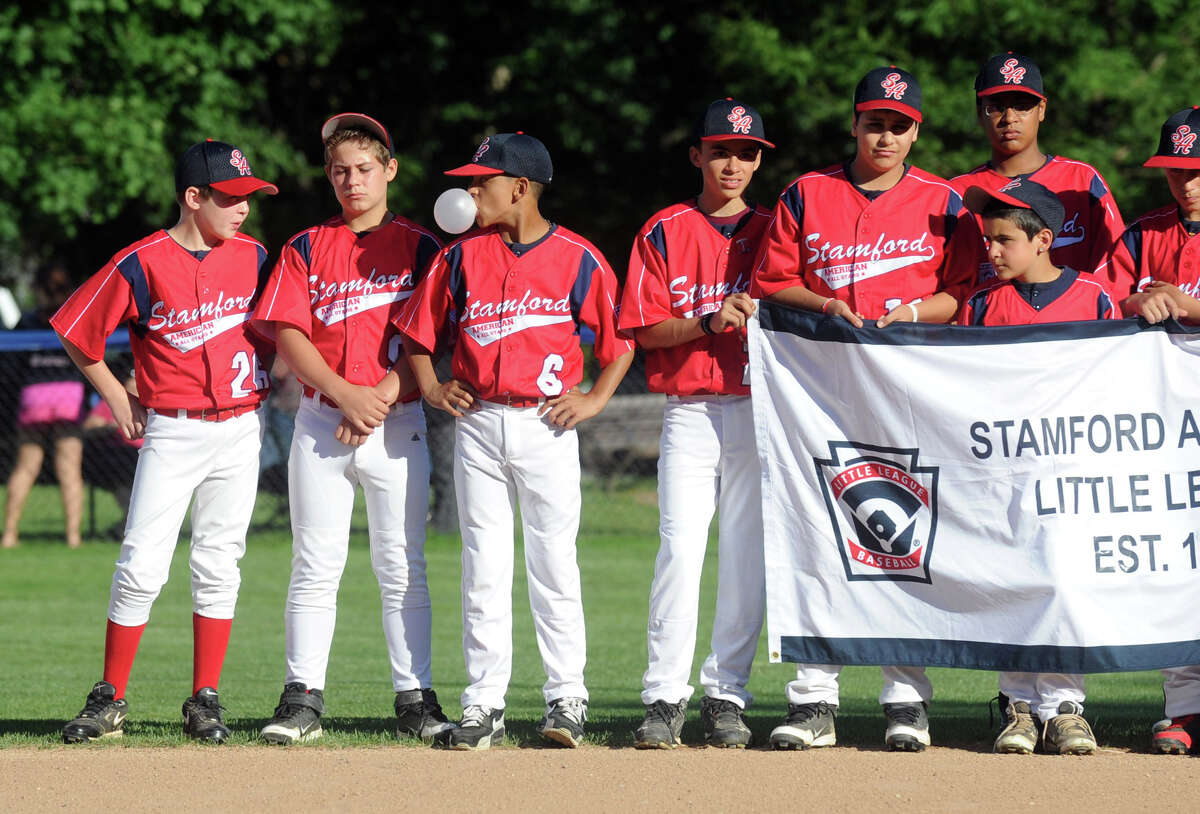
(220, 166)
(1179, 145)
(889, 88)
(1007, 73)
(1022, 194)
(728, 119)
(515, 154)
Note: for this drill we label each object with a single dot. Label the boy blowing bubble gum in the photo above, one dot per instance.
(872, 238)
(186, 294)
(1161, 250)
(1020, 222)
(515, 292)
(686, 302)
(330, 300)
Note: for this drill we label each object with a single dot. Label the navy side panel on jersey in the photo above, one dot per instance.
(131, 269)
(583, 284)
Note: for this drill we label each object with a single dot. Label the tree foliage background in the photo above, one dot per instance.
(98, 96)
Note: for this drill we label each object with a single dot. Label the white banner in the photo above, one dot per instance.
(1022, 498)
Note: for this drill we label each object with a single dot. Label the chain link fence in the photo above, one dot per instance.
(617, 447)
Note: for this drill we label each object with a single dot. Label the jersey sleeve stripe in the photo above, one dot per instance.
(87, 307)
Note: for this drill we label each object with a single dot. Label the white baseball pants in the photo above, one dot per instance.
(707, 462)
(217, 461)
(392, 468)
(505, 455)
(1042, 691)
(1181, 691)
(819, 682)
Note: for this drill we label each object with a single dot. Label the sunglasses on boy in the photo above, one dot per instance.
(1020, 105)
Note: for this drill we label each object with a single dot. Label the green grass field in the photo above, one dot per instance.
(53, 603)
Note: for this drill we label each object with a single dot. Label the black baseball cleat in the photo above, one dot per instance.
(102, 716)
(297, 719)
(202, 717)
(419, 715)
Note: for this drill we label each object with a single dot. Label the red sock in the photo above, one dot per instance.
(210, 639)
(120, 647)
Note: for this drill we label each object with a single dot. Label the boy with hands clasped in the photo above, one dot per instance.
(330, 300)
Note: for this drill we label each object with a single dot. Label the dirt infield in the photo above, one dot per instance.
(594, 778)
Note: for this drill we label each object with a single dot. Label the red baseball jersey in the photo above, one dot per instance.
(517, 309)
(1073, 297)
(874, 254)
(342, 290)
(682, 266)
(1157, 246)
(188, 318)
(1092, 222)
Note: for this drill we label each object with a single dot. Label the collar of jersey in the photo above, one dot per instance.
(523, 248)
(1192, 227)
(737, 227)
(871, 194)
(1051, 290)
(1025, 176)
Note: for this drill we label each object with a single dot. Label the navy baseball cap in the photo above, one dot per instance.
(1022, 194)
(727, 119)
(220, 166)
(344, 121)
(889, 88)
(515, 154)
(1178, 145)
(1008, 73)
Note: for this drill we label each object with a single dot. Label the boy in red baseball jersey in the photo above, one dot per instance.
(870, 238)
(1020, 222)
(186, 294)
(686, 302)
(1010, 102)
(1161, 251)
(515, 291)
(330, 301)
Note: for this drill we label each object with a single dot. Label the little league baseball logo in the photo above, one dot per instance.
(740, 121)
(1184, 140)
(239, 162)
(483, 148)
(1011, 73)
(883, 508)
(893, 88)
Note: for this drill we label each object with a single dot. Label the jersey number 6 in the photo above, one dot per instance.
(547, 382)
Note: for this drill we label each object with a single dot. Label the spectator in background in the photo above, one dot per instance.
(50, 414)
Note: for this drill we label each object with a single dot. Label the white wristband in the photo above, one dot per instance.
(913, 306)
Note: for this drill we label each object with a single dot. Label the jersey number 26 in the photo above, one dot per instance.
(246, 365)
